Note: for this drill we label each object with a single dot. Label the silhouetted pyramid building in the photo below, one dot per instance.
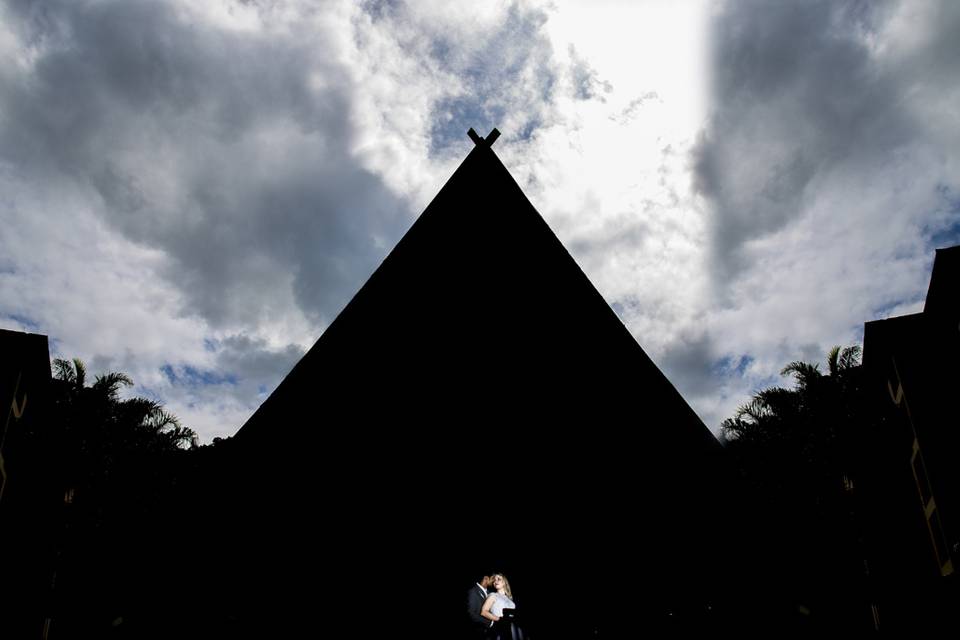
(478, 403)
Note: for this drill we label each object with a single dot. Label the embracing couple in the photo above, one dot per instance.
(490, 608)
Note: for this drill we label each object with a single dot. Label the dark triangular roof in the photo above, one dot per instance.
(478, 401)
(478, 295)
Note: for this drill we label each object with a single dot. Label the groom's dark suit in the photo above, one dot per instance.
(478, 624)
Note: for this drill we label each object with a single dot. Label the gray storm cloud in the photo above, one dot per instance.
(232, 150)
(804, 93)
(220, 148)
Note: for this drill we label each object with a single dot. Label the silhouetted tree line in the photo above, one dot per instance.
(800, 451)
(106, 488)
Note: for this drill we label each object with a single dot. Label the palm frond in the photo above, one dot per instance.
(63, 370)
(804, 373)
(181, 436)
(138, 411)
(779, 402)
(832, 361)
(159, 419)
(110, 383)
(756, 410)
(850, 358)
(81, 378)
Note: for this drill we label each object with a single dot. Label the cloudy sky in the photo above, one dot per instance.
(191, 191)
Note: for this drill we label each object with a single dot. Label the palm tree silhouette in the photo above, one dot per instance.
(798, 450)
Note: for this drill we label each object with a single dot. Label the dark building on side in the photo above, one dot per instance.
(912, 505)
(28, 512)
(24, 382)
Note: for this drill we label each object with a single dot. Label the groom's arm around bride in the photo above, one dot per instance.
(476, 596)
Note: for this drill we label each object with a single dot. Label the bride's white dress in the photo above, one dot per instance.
(500, 603)
(509, 630)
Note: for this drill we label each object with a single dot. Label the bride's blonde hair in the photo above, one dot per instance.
(506, 585)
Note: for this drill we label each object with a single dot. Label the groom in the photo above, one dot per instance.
(477, 595)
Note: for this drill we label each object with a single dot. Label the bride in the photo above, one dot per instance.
(501, 598)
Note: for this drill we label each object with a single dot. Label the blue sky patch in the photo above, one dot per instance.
(149, 393)
(766, 383)
(193, 377)
(452, 118)
(948, 237)
(887, 310)
(27, 323)
(732, 366)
